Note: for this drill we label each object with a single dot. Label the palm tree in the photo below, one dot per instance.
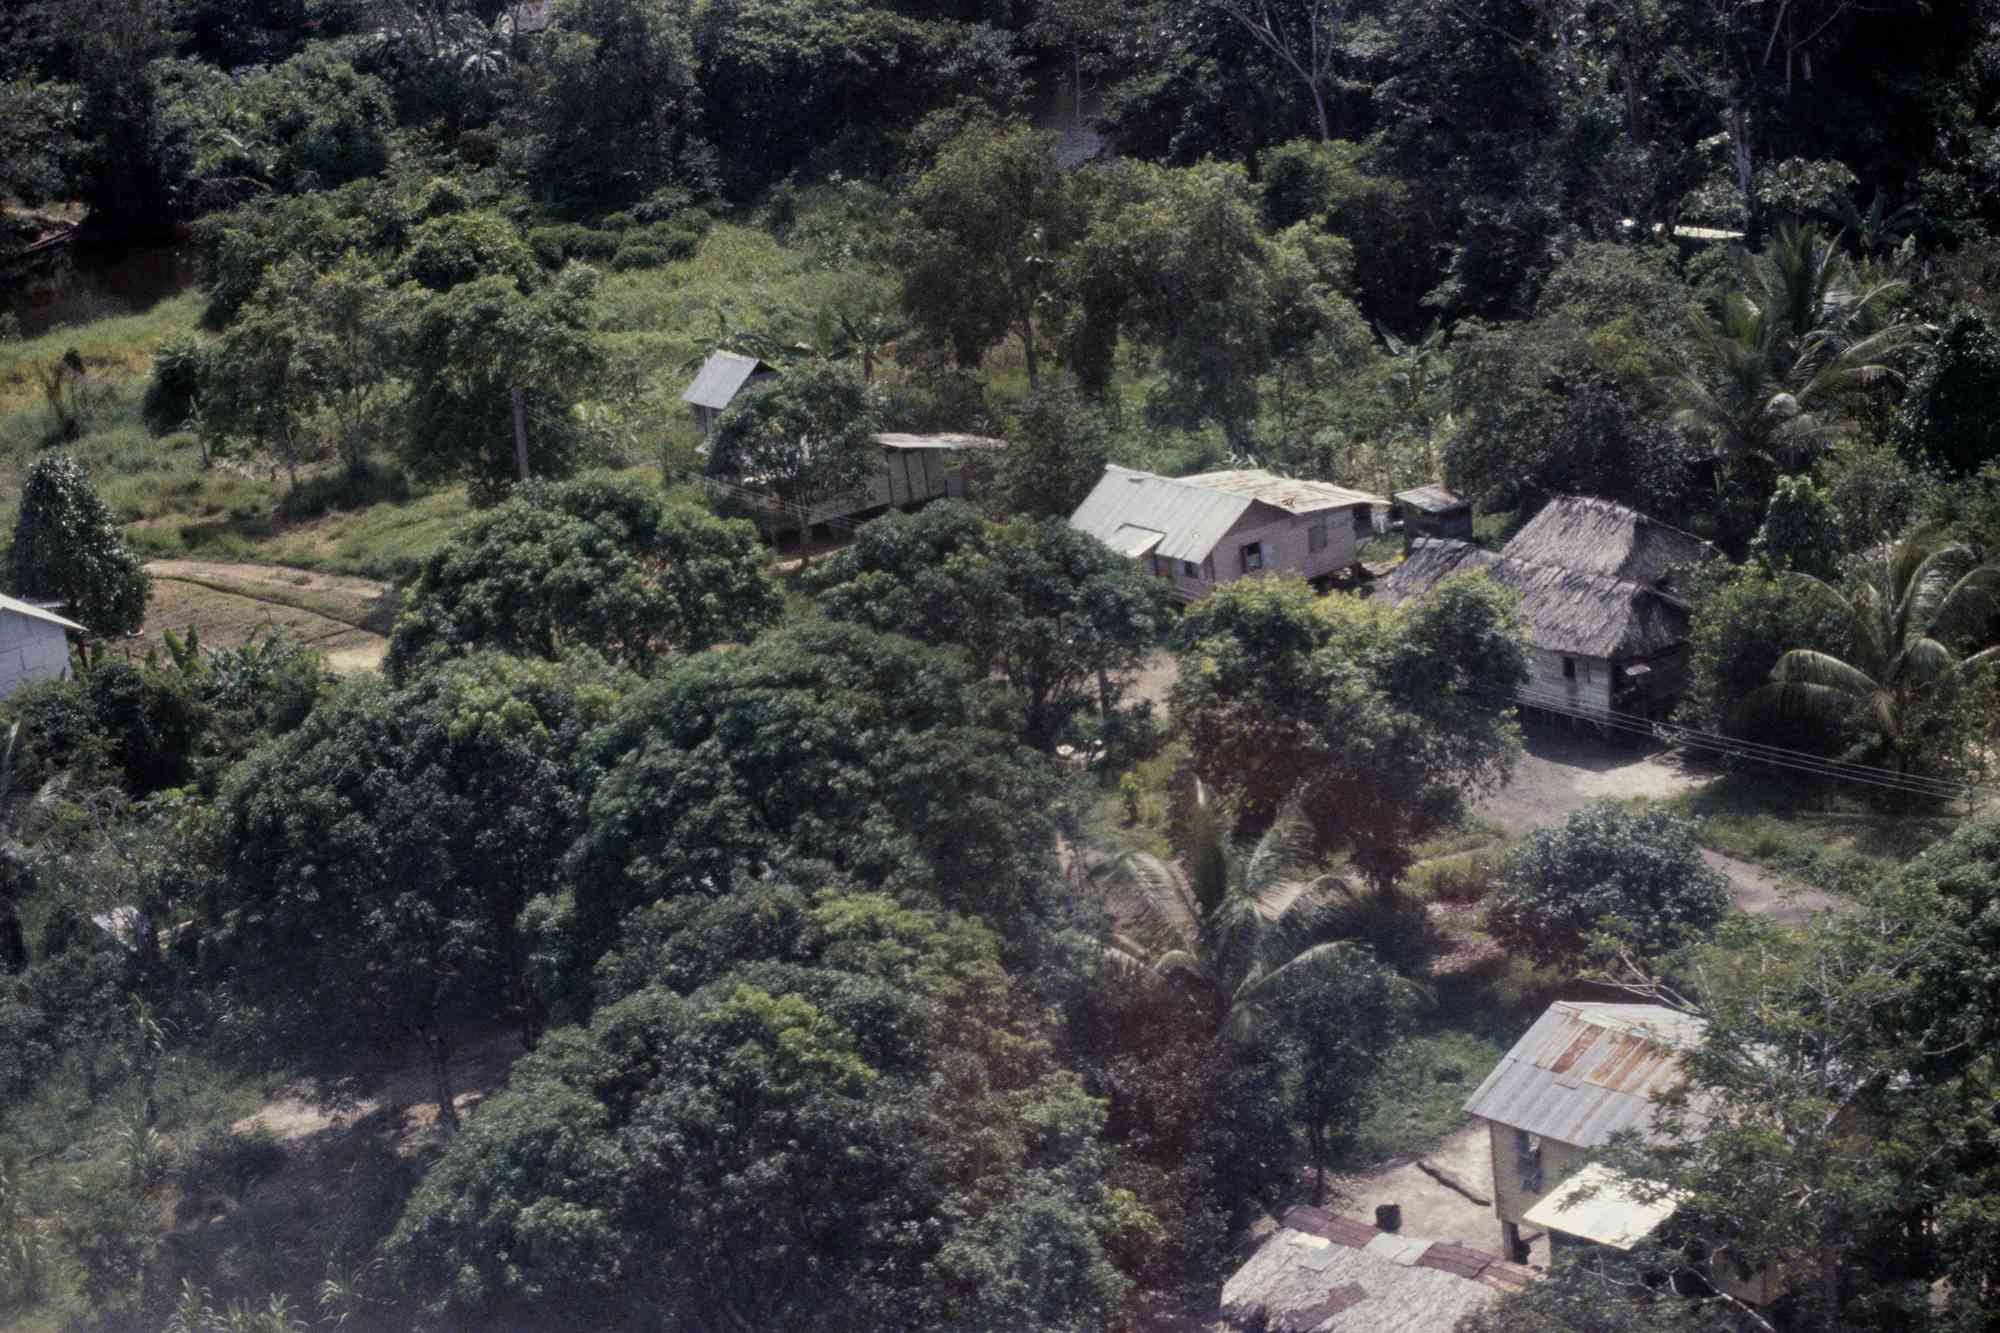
(1233, 928)
(1770, 370)
(1907, 622)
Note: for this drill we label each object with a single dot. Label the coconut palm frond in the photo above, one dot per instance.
(1164, 911)
(1802, 666)
(1985, 659)
(1923, 660)
(1265, 983)
(1285, 847)
(1800, 702)
(1968, 606)
(1208, 849)
(1179, 963)
(1127, 965)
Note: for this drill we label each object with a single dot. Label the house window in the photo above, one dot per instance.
(1191, 569)
(1208, 568)
(1364, 522)
(1528, 1160)
(1253, 557)
(1569, 668)
(1162, 567)
(1316, 536)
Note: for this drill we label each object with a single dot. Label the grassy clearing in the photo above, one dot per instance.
(1824, 836)
(1418, 1096)
(112, 349)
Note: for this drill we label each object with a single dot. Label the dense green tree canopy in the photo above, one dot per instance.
(67, 549)
(376, 861)
(599, 563)
(1052, 610)
(863, 750)
(807, 439)
(1385, 722)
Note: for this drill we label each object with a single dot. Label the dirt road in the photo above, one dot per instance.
(228, 603)
(1563, 771)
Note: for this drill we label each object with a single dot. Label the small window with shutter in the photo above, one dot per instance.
(1253, 557)
(1316, 536)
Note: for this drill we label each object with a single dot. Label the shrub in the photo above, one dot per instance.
(68, 549)
(1639, 877)
(631, 257)
(228, 1163)
(170, 394)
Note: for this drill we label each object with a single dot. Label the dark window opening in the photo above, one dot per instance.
(1569, 668)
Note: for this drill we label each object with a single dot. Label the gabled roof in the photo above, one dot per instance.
(1565, 610)
(1585, 1072)
(1599, 537)
(1432, 499)
(1292, 494)
(1322, 1273)
(1190, 519)
(721, 378)
(948, 441)
(34, 612)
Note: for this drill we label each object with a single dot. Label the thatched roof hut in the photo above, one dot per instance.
(1593, 577)
(1598, 537)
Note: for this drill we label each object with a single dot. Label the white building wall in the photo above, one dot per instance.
(31, 650)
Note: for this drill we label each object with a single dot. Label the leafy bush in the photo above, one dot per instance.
(68, 549)
(1639, 877)
(228, 1163)
(176, 380)
(641, 255)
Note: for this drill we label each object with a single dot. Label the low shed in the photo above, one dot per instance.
(34, 644)
(1433, 511)
(721, 378)
(1323, 1273)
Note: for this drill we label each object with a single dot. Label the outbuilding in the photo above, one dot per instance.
(1433, 511)
(34, 644)
(723, 376)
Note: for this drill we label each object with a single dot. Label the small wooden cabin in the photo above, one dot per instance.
(1433, 511)
(721, 378)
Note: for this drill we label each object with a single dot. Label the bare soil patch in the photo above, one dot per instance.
(228, 604)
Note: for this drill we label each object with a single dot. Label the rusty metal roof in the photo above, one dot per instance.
(1585, 1072)
(1294, 495)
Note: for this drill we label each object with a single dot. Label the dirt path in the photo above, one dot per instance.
(229, 603)
(1564, 771)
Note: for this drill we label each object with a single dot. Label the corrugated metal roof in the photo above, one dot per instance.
(1431, 499)
(1585, 1072)
(1193, 518)
(29, 609)
(1597, 1204)
(950, 441)
(721, 377)
(1294, 495)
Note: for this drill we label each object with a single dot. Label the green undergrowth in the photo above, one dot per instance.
(1823, 835)
(1417, 1097)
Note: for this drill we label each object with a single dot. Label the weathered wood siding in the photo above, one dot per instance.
(31, 650)
(1511, 1197)
(1590, 688)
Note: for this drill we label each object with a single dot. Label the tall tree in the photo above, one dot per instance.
(377, 860)
(493, 377)
(1054, 611)
(807, 439)
(67, 548)
(1305, 36)
(1384, 721)
(599, 563)
(983, 240)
